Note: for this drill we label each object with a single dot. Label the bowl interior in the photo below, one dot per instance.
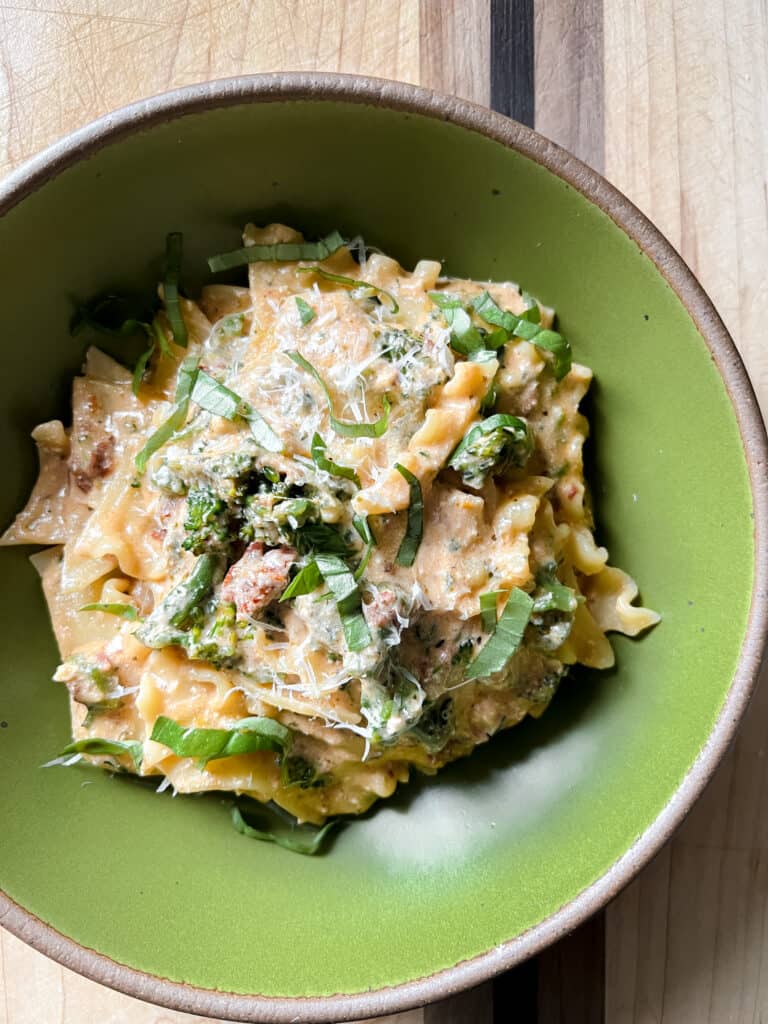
(452, 866)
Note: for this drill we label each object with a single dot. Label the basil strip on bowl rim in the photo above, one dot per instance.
(278, 252)
(271, 824)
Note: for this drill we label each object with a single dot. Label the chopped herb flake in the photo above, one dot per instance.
(125, 611)
(306, 313)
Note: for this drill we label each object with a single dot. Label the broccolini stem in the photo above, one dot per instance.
(187, 595)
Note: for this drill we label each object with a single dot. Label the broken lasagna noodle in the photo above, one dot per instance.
(362, 545)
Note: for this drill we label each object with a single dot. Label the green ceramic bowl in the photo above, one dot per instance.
(461, 876)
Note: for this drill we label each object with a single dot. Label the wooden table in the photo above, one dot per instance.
(669, 99)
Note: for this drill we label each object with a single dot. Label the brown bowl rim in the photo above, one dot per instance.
(399, 96)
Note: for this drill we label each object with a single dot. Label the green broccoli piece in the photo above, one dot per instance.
(272, 519)
(298, 771)
(207, 523)
(490, 448)
(216, 639)
(183, 604)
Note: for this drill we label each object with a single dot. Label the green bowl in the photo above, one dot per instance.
(462, 876)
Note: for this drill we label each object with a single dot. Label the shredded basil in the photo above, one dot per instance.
(262, 432)
(488, 403)
(363, 528)
(306, 313)
(304, 582)
(173, 248)
(505, 639)
(281, 252)
(272, 824)
(141, 367)
(248, 736)
(312, 537)
(528, 327)
(217, 399)
(488, 606)
(110, 748)
(157, 338)
(465, 337)
(350, 282)
(322, 461)
(343, 586)
(551, 594)
(409, 546)
(101, 707)
(186, 381)
(342, 427)
(125, 611)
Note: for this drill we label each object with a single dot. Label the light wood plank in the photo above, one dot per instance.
(568, 70)
(34, 989)
(65, 62)
(456, 48)
(58, 61)
(687, 140)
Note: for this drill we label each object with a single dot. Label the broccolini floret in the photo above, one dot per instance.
(490, 448)
(208, 522)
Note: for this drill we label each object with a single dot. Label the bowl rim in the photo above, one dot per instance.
(402, 97)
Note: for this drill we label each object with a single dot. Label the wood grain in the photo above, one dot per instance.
(687, 140)
(455, 48)
(568, 70)
(65, 62)
(685, 135)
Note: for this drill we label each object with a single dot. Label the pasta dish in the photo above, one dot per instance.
(332, 527)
